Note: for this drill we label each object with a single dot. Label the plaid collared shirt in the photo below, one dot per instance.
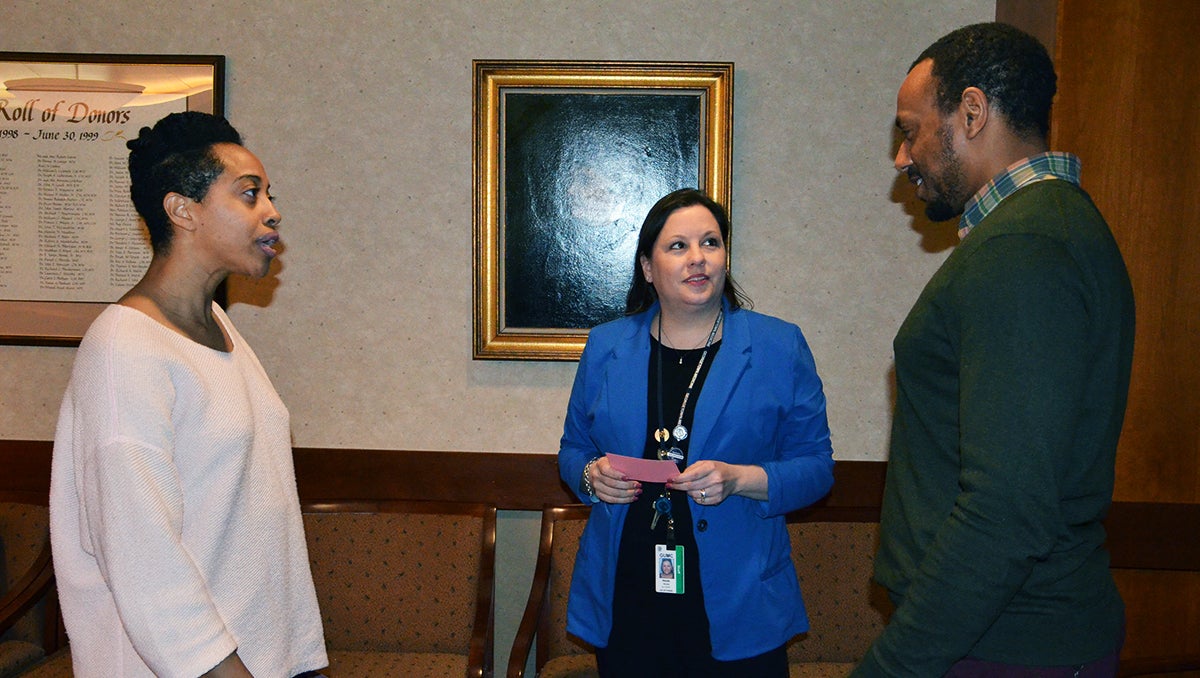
(1039, 167)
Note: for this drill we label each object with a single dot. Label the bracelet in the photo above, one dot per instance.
(587, 481)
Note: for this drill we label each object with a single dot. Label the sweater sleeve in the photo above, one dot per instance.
(1019, 316)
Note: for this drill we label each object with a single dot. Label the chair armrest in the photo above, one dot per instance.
(28, 590)
(481, 654)
(534, 606)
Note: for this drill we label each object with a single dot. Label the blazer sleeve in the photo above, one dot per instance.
(801, 470)
(576, 447)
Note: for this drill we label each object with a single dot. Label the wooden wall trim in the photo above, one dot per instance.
(1154, 536)
(516, 481)
(1143, 535)
(511, 481)
(25, 467)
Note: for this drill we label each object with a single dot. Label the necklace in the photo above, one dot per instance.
(680, 351)
(680, 432)
(662, 505)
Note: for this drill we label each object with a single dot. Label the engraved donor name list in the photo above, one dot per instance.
(68, 231)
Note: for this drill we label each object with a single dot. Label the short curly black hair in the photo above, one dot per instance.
(176, 156)
(1008, 65)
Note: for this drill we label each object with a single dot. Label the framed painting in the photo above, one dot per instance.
(569, 156)
(70, 239)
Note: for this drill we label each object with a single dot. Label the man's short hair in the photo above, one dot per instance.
(1008, 65)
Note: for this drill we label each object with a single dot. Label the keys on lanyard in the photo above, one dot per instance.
(674, 454)
(662, 508)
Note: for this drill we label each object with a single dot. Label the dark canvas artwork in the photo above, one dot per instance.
(580, 172)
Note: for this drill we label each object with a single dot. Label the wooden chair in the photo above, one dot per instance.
(28, 613)
(558, 654)
(406, 588)
(833, 557)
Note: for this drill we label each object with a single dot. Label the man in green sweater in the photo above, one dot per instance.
(1012, 371)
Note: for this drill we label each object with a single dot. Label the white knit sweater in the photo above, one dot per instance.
(174, 518)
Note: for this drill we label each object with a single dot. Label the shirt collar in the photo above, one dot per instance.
(1052, 165)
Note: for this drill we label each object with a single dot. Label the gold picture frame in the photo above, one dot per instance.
(568, 158)
(64, 121)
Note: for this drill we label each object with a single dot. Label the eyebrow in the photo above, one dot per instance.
(258, 181)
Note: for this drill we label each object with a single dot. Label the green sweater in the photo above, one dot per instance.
(1012, 371)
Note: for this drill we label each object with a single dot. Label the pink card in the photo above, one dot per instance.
(645, 470)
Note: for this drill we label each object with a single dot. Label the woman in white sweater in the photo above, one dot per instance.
(175, 523)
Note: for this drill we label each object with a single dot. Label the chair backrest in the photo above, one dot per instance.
(846, 610)
(562, 528)
(545, 616)
(404, 576)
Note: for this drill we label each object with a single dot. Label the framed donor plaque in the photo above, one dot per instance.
(70, 239)
(569, 156)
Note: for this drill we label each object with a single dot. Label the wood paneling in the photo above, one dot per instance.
(1126, 105)
(1036, 17)
(1128, 87)
(1162, 612)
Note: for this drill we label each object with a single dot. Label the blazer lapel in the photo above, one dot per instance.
(727, 369)
(628, 370)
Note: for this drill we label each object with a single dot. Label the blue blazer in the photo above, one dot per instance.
(761, 404)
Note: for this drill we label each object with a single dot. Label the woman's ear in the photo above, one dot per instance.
(645, 268)
(179, 210)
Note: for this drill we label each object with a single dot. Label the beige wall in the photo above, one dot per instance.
(361, 112)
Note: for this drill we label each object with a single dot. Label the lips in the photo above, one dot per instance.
(267, 244)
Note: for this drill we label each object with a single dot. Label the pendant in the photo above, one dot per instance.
(662, 435)
(680, 432)
(674, 454)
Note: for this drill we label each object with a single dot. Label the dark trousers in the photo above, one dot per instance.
(650, 662)
(976, 668)
(1105, 667)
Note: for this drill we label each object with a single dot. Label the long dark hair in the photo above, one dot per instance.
(641, 295)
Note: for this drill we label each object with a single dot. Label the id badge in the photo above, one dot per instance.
(668, 569)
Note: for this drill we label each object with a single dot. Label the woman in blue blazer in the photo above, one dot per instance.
(733, 398)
